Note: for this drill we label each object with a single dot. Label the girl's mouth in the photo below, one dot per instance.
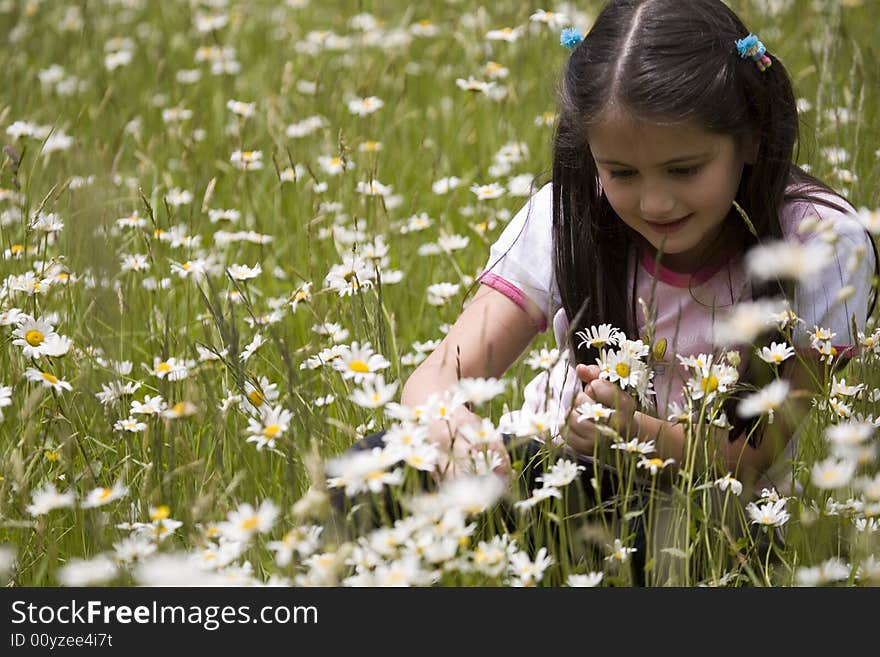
(671, 226)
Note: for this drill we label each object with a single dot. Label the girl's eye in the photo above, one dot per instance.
(685, 171)
(623, 173)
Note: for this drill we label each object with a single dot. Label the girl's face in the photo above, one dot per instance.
(673, 184)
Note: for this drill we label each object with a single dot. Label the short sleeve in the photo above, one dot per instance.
(839, 295)
(520, 264)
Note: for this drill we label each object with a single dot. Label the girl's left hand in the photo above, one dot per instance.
(582, 434)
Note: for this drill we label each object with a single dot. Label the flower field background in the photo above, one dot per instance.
(231, 230)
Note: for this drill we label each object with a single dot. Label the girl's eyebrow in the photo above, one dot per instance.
(675, 160)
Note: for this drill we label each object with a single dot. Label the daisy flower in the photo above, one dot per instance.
(765, 401)
(93, 572)
(273, 422)
(599, 336)
(150, 406)
(334, 165)
(439, 293)
(445, 185)
(870, 219)
(243, 272)
(240, 108)
(832, 473)
(5, 398)
(786, 259)
(247, 160)
(37, 338)
(561, 473)
(48, 498)
(508, 34)
(776, 353)
(130, 424)
(771, 514)
(172, 369)
(747, 321)
(359, 362)
(654, 465)
(102, 496)
(479, 390)
(177, 197)
(635, 446)
(483, 433)
(619, 552)
(490, 191)
(728, 481)
(589, 580)
(555, 21)
(593, 411)
(47, 379)
(525, 571)
(542, 359)
(475, 85)
(246, 521)
(621, 368)
(364, 471)
(375, 393)
(850, 433)
(364, 106)
(252, 347)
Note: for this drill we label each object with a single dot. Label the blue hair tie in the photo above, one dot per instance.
(570, 38)
(752, 48)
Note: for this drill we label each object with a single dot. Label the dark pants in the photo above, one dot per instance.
(528, 457)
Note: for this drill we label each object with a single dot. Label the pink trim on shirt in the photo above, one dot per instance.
(847, 350)
(675, 278)
(513, 293)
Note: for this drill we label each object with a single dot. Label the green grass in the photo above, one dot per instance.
(200, 466)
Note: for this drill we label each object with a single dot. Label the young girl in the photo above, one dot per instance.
(667, 123)
(672, 157)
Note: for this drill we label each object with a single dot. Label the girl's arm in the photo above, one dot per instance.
(485, 340)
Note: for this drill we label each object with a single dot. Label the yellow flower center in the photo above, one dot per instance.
(51, 456)
(709, 383)
(656, 462)
(425, 22)
(622, 370)
(358, 366)
(179, 408)
(50, 377)
(371, 146)
(376, 397)
(250, 523)
(163, 367)
(160, 512)
(16, 249)
(34, 337)
(247, 155)
(271, 431)
(186, 266)
(105, 493)
(256, 397)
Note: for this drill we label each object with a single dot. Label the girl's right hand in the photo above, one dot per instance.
(582, 435)
(459, 459)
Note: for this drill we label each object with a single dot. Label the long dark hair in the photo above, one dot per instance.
(673, 62)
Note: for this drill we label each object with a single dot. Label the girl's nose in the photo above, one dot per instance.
(655, 203)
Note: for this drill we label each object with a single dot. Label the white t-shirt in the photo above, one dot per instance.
(520, 266)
